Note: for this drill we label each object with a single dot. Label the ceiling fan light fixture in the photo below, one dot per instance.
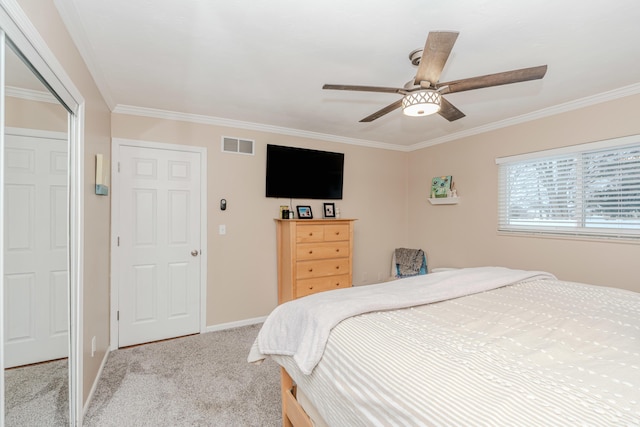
(421, 103)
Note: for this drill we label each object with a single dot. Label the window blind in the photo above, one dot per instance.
(589, 192)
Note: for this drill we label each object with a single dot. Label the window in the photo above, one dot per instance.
(586, 190)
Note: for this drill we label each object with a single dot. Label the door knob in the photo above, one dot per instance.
(194, 252)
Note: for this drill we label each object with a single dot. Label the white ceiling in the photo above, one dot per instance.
(262, 64)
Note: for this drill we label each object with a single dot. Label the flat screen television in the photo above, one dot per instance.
(300, 173)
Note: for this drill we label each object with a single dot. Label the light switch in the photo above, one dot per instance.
(222, 229)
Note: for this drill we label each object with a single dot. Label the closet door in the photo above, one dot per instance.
(35, 251)
(159, 252)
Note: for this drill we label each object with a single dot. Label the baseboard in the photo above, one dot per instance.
(95, 383)
(237, 324)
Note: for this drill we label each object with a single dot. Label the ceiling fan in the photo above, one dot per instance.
(423, 95)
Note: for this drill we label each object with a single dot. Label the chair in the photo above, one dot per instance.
(408, 262)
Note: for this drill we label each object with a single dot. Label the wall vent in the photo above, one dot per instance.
(231, 144)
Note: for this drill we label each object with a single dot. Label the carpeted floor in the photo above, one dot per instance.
(37, 395)
(200, 380)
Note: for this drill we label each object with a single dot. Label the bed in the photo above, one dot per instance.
(479, 346)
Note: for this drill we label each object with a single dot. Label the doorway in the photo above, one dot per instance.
(159, 235)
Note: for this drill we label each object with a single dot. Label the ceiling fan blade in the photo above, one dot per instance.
(504, 78)
(449, 111)
(434, 56)
(363, 88)
(389, 108)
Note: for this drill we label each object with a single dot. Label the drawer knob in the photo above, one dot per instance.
(310, 252)
(337, 233)
(337, 267)
(310, 270)
(310, 234)
(337, 250)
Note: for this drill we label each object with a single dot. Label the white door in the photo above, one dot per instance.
(159, 244)
(35, 250)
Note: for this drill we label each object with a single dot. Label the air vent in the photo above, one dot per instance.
(236, 145)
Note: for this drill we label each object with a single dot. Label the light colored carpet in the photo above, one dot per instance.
(200, 380)
(37, 395)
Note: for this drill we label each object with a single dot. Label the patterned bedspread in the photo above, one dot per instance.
(545, 352)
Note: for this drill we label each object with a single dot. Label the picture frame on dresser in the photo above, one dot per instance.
(304, 212)
(329, 210)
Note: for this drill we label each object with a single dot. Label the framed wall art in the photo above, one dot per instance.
(329, 210)
(441, 186)
(304, 212)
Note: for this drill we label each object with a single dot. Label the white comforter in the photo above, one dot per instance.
(300, 328)
(541, 353)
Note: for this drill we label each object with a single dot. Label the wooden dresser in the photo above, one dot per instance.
(314, 255)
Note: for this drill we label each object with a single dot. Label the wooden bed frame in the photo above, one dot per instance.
(292, 413)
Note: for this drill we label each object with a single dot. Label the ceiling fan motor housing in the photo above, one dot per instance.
(415, 56)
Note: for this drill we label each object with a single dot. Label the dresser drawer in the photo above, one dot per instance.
(311, 286)
(336, 232)
(310, 233)
(308, 251)
(314, 255)
(322, 268)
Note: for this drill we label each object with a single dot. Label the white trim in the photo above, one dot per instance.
(36, 133)
(237, 124)
(113, 259)
(2, 174)
(76, 253)
(31, 95)
(116, 143)
(546, 112)
(236, 324)
(570, 149)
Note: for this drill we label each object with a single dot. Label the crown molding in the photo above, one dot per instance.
(31, 95)
(217, 121)
(588, 101)
(36, 133)
(546, 112)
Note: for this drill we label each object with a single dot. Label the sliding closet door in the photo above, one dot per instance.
(40, 222)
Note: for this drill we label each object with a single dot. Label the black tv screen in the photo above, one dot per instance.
(300, 173)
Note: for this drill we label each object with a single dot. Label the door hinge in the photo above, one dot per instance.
(118, 315)
(118, 167)
(118, 240)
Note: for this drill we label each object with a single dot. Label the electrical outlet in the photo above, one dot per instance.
(222, 229)
(93, 346)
